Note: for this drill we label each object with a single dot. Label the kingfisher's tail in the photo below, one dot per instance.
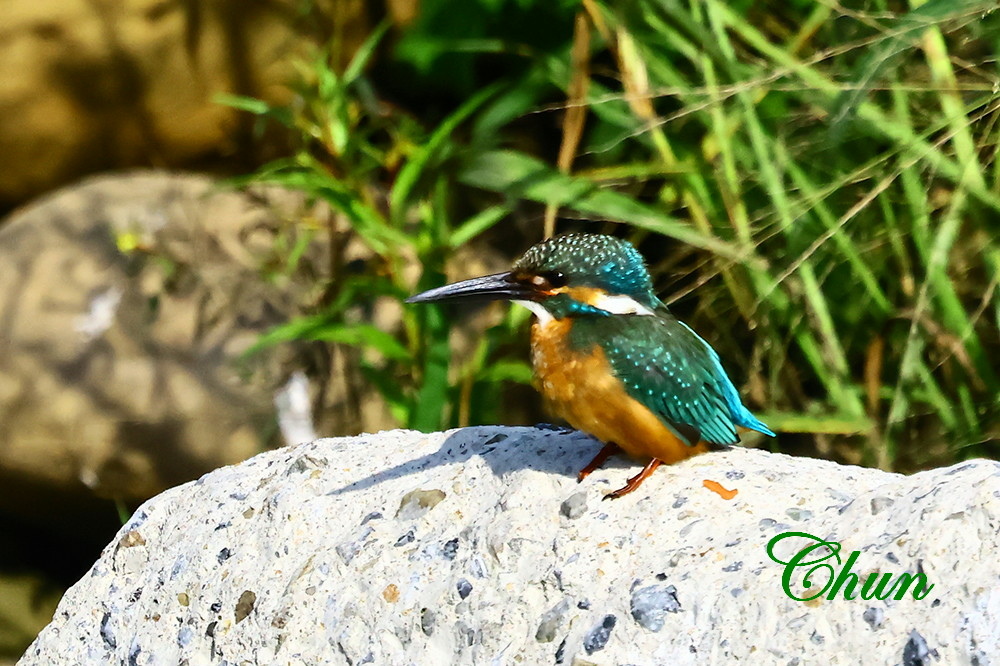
(744, 418)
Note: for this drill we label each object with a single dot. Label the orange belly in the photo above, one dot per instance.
(581, 388)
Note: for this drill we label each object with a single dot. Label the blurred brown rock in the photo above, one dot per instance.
(125, 304)
(27, 602)
(90, 85)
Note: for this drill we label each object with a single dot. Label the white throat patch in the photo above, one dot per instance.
(621, 304)
(544, 317)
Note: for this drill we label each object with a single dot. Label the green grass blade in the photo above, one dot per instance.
(400, 198)
(517, 174)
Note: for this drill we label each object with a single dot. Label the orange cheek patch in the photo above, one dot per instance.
(717, 488)
(588, 295)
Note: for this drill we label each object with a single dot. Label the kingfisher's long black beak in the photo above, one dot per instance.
(496, 287)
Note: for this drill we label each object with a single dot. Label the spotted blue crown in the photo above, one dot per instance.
(592, 260)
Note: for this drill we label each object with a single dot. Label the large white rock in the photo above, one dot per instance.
(477, 546)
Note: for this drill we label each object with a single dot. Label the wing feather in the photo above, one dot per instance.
(669, 369)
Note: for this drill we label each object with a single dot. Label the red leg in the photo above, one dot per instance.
(602, 456)
(636, 480)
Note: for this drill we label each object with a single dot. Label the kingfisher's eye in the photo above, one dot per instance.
(548, 280)
(556, 279)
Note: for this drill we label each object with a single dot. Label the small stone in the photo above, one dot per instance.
(650, 604)
(880, 504)
(132, 538)
(574, 506)
(350, 549)
(427, 620)
(796, 513)
(418, 502)
(916, 652)
(106, 634)
(551, 620)
(874, 617)
(598, 637)
(223, 555)
(464, 588)
(561, 652)
(466, 635)
(478, 567)
(245, 605)
(450, 550)
(374, 515)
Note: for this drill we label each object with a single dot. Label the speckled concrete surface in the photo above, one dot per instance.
(477, 546)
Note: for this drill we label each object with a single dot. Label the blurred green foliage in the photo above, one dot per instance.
(816, 184)
(350, 146)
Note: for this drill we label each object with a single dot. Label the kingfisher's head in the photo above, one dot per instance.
(570, 275)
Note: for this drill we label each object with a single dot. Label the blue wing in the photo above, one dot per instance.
(672, 371)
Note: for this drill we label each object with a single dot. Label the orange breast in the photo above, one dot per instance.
(580, 387)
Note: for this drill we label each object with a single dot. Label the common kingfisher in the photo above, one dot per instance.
(610, 358)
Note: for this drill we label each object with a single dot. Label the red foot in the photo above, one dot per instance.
(602, 456)
(636, 480)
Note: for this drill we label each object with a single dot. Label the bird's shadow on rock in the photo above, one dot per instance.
(544, 448)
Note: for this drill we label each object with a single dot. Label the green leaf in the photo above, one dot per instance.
(364, 53)
(902, 34)
(390, 388)
(432, 398)
(296, 329)
(362, 335)
(410, 174)
(258, 107)
(476, 225)
(517, 100)
(322, 328)
(519, 175)
(307, 175)
(507, 370)
(834, 424)
(243, 103)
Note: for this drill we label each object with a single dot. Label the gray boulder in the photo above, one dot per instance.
(477, 546)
